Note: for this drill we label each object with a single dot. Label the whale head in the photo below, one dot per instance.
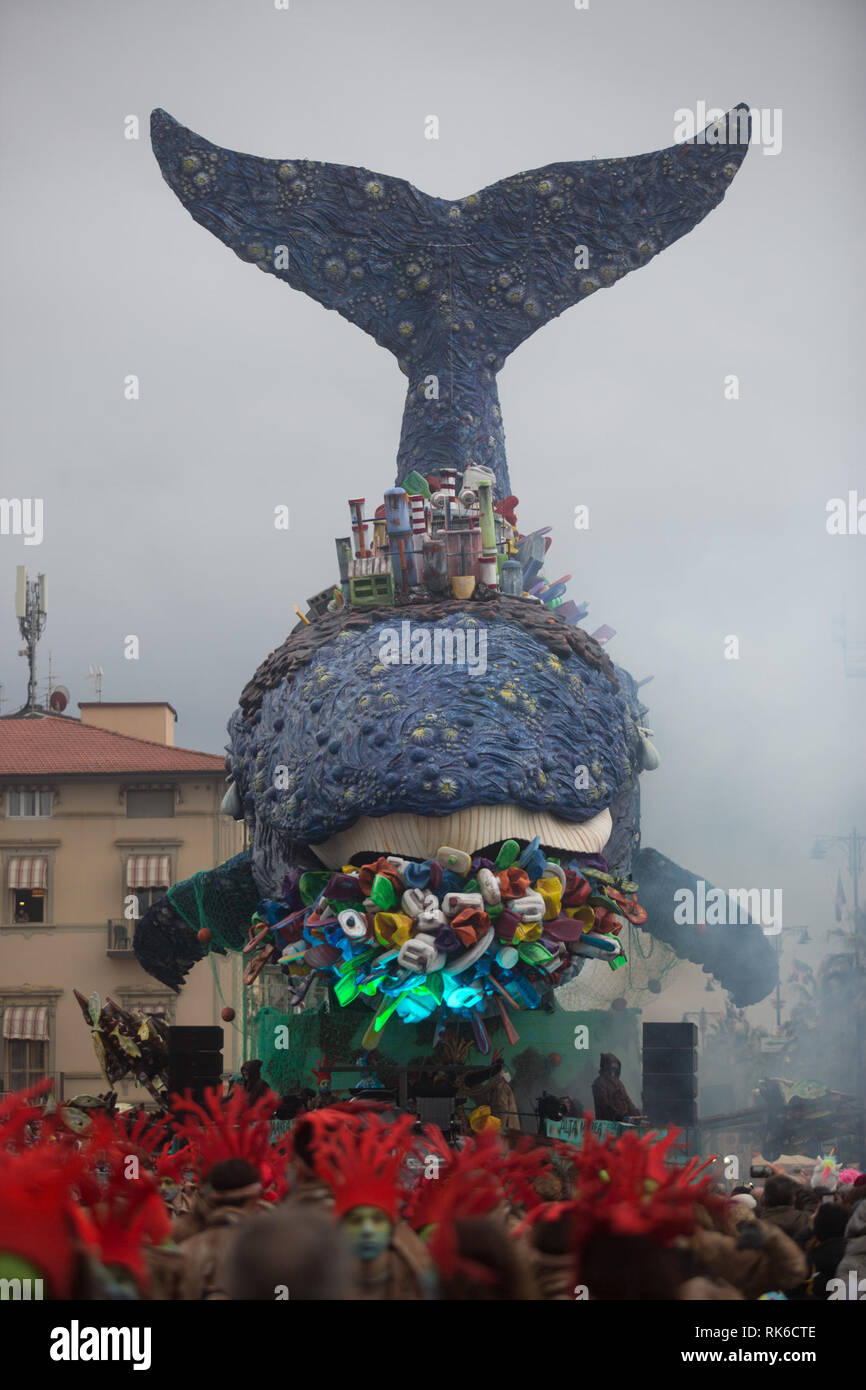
(469, 724)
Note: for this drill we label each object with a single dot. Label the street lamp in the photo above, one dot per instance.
(854, 844)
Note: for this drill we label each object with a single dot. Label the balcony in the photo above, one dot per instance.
(120, 933)
(12, 1081)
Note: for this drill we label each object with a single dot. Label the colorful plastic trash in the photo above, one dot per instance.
(508, 852)
(457, 860)
(383, 892)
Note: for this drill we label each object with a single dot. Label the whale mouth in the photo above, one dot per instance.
(419, 837)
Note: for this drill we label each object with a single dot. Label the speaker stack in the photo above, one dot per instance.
(195, 1059)
(670, 1073)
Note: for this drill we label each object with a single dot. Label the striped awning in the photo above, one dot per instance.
(148, 871)
(27, 1021)
(28, 871)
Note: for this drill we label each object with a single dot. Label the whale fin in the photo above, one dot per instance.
(569, 229)
(740, 957)
(450, 287)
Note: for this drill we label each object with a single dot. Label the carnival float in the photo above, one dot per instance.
(439, 767)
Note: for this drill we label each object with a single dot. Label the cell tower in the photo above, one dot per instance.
(31, 615)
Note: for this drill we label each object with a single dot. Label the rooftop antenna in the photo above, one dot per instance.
(95, 674)
(57, 696)
(31, 615)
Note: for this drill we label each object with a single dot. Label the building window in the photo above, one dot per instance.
(145, 804)
(153, 1005)
(26, 1063)
(27, 888)
(159, 1011)
(25, 1045)
(148, 878)
(145, 898)
(28, 905)
(26, 804)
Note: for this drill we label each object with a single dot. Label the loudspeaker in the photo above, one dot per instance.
(196, 1064)
(670, 1035)
(195, 1059)
(207, 1037)
(670, 1073)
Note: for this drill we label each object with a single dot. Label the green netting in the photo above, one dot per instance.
(240, 1022)
(286, 1069)
(222, 899)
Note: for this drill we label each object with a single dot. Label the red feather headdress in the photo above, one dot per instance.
(628, 1186)
(361, 1162)
(475, 1180)
(323, 1070)
(221, 1129)
(36, 1211)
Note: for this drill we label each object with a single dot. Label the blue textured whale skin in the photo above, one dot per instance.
(349, 735)
(450, 287)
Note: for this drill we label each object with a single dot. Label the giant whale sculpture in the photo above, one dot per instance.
(337, 756)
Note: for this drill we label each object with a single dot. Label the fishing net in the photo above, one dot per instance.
(650, 969)
(222, 899)
(286, 1068)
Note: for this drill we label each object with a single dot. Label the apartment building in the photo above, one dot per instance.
(98, 816)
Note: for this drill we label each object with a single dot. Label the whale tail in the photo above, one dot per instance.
(451, 288)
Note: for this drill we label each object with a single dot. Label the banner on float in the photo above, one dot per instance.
(571, 1129)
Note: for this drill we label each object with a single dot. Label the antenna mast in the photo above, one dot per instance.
(95, 674)
(31, 615)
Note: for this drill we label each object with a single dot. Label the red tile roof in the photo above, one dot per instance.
(56, 745)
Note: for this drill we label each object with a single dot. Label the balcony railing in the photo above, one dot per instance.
(120, 933)
(12, 1081)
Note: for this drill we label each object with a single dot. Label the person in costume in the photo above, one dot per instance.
(234, 1192)
(228, 1147)
(628, 1219)
(39, 1239)
(610, 1098)
(362, 1164)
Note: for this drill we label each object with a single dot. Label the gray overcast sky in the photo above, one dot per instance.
(707, 515)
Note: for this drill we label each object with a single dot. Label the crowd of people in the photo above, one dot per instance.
(357, 1202)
